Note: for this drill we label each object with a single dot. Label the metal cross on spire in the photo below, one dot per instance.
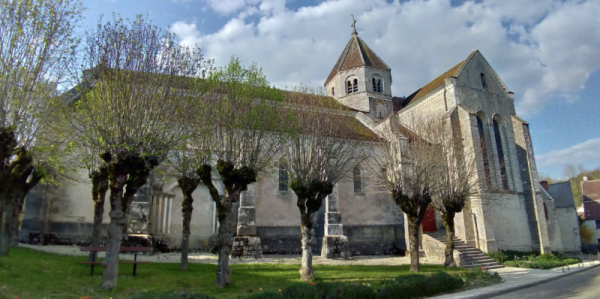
(353, 25)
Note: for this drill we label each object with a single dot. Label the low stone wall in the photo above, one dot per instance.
(375, 239)
(436, 251)
(362, 239)
(280, 239)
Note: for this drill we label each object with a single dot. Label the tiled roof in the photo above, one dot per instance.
(356, 54)
(433, 85)
(344, 118)
(562, 194)
(590, 190)
(321, 101)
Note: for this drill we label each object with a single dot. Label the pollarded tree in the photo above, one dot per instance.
(183, 165)
(131, 100)
(325, 146)
(245, 118)
(406, 166)
(36, 48)
(457, 177)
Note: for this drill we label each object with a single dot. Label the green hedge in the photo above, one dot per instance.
(403, 287)
(505, 256)
(541, 264)
(171, 295)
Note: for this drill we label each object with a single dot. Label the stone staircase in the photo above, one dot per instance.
(471, 256)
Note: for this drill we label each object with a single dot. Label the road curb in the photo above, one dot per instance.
(527, 285)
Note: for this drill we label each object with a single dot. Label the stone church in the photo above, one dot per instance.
(511, 212)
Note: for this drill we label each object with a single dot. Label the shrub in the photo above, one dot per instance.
(416, 285)
(402, 287)
(589, 248)
(541, 264)
(586, 234)
(171, 295)
(267, 294)
(300, 291)
(509, 255)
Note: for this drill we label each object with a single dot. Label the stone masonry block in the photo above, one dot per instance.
(247, 247)
(247, 215)
(246, 230)
(335, 247)
(334, 218)
(334, 230)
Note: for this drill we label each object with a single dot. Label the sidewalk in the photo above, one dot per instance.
(519, 278)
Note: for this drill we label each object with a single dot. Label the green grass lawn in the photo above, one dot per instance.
(28, 274)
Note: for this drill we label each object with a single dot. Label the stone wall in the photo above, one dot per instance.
(569, 229)
(360, 100)
(201, 226)
(435, 251)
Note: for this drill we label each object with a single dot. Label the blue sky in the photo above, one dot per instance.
(546, 51)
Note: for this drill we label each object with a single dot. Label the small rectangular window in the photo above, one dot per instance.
(545, 211)
(357, 180)
(283, 178)
(597, 224)
(483, 82)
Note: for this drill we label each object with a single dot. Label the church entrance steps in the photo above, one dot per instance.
(470, 257)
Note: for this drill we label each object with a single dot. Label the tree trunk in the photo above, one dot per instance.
(99, 188)
(2, 207)
(308, 234)
(413, 232)
(117, 223)
(448, 218)
(225, 236)
(7, 226)
(187, 187)
(16, 222)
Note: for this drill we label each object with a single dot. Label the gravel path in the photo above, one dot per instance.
(209, 258)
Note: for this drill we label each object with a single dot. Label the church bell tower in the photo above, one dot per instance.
(361, 80)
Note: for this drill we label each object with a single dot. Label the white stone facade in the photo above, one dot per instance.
(508, 213)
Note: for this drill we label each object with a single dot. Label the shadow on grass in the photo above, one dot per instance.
(27, 273)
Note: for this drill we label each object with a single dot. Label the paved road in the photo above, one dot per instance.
(584, 285)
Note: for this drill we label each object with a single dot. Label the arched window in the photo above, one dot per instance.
(357, 181)
(349, 84)
(377, 84)
(355, 87)
(483, 148)
(500, 151)
(283, 178)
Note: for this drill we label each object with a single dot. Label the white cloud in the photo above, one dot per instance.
(226, 7)
(586, 154)
(550, 48)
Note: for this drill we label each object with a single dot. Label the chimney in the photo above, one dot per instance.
(585, 178)
(544, 184)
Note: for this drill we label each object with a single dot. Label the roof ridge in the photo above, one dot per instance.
(363, 43)
(348, 59)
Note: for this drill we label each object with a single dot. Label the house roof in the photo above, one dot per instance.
(356, 54)
(562, 194)
(590, 190)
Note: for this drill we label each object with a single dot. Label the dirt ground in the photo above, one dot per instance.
(209, 258)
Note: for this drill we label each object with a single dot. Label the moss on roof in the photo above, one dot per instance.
(433, 85)
(314, 100)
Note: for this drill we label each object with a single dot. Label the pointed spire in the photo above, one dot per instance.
(356, 54)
